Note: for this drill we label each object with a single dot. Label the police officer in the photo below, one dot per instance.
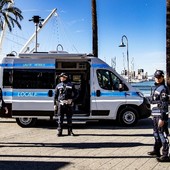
(65, 95)
(159, 107)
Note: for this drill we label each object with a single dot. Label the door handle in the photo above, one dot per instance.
(50, 93)
(98, 93)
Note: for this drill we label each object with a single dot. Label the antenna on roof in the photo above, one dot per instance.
(38, 23)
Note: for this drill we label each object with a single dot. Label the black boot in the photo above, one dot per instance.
(59, 133)
(70, 132)
(154, 154)
(163, 159)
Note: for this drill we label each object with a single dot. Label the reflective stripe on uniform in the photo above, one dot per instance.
(155, 114)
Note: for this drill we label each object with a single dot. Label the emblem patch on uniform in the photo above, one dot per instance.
(163, 94)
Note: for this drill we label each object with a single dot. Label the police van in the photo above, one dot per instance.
(29, 79)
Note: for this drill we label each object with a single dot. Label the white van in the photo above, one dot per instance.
(28, 83)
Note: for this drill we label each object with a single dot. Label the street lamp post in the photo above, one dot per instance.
(123, 45)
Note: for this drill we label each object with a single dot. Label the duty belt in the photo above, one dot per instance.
(66, 102)
(155, 110)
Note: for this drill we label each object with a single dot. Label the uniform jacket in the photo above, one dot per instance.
(64, 91)
(161, 99)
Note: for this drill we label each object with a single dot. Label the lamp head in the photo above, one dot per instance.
(122, 45)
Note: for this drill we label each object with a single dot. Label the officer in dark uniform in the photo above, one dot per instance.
(65, 95)
(159, 107)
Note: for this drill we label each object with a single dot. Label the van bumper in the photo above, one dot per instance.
(144, 109)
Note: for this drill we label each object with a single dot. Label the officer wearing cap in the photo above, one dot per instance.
(159, 111)
(65, 95)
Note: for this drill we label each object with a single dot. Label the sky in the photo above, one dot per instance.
(143, 22)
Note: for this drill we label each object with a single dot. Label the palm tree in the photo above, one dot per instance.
(9, 14)
(94, 29)
(168, 42)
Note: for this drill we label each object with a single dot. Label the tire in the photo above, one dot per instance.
(26, 122)
(128, 116)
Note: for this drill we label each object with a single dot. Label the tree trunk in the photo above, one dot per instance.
(168, 43)
(94, 29)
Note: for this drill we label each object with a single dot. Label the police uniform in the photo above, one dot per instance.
(159, 111)
(65, 95)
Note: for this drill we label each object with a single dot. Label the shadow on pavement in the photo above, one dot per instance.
(70, 156)
(31, 165)
(81, 145)
(120, 135)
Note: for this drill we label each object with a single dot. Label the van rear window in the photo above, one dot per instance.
(29, 79)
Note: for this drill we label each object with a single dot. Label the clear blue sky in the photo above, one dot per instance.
(142, 21)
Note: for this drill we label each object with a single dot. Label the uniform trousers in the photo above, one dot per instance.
(64, 110)
(161, 137)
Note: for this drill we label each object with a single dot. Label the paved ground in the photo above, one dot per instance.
(98, 146)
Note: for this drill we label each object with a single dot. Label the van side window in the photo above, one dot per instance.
(29, 79)
(104, 79)
(8, 78)
(107, 80)
(115, 81)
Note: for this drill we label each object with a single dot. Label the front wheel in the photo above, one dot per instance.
(128, 116)
(26, 122)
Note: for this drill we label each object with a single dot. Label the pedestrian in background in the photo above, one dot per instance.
(159, 111)
(65, 96)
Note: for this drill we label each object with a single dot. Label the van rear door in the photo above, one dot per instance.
(33, 84)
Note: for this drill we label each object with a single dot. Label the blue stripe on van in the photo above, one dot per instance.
(100, 66)
(45, 94)
(25, 65)
(6, 65)
(113, 94)
(25, 94)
